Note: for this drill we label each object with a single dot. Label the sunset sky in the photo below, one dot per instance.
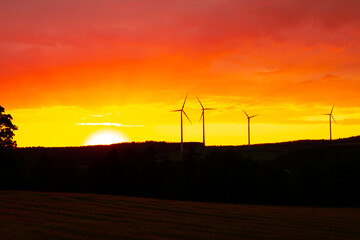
(69, 69)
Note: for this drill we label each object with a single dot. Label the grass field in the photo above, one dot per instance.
(36, 215)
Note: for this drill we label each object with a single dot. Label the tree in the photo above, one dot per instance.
(7, 129)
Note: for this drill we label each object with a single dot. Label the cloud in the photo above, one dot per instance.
(351, 121)
(69, 32)
(108, 124)
(188, 23)
(67, 52)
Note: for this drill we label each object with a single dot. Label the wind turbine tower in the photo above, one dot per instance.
(203, 118)
(248, 118)
(330, 116)
(181, 123)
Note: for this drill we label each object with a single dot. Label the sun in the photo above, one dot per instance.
(106, 137)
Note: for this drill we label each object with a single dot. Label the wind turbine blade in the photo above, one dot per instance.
(187, 116)
(254, 115)
(333, 118)
(332, 109)
(176, 110)
(202, 115)
(327, 114)
(245, 113)
(200, 102)
(184, 103)
(209, 108)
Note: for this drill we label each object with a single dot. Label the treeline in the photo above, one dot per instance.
(320, 174)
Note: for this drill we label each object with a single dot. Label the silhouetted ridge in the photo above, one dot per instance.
(306, 172)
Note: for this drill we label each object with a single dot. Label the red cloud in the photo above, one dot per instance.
(65, 42)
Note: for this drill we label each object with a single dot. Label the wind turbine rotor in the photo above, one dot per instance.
(202, 115)
(245, 113)
(200, 103)
(332, 109)
(333, 118)
(184, 103)
(187, 116)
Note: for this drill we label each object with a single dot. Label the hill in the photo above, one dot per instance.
(39, 215)
(307, 172)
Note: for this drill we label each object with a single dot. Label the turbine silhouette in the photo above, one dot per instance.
(248, 118)
(330, 116)
(181, 122)
(203, 118)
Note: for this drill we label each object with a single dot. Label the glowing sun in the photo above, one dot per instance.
(105, 137)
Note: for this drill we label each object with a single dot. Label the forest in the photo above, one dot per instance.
(309, 172)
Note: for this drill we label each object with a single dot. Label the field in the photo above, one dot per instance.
(38, 215)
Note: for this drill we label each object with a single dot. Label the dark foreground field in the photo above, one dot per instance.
(36, 215)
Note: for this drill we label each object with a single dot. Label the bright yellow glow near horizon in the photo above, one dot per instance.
(62, 126)
(106, 137)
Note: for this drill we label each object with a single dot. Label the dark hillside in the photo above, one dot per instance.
(325, 173)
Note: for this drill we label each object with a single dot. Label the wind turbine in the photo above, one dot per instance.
(248, 118)
(181, 117)
(203, 118)
(330, 116)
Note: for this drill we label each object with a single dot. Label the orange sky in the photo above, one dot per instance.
(128, 63)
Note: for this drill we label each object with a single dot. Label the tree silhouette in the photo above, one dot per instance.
(7, 129)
